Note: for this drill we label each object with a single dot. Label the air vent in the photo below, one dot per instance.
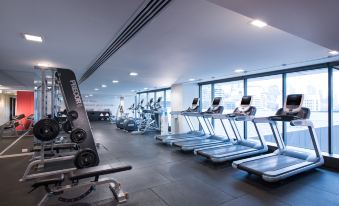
(150, 10)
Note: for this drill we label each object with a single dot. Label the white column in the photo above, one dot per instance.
(182, 96)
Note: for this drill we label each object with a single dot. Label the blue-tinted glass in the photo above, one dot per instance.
(314, 85)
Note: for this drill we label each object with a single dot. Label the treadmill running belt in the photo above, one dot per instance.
(196, 142)
(224, 150)
(271, 163)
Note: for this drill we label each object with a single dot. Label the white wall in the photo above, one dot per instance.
(4, 108)
(181, 99)
(102, 102)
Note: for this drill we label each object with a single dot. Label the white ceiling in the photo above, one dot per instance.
(313, 20)
(74, 33)
(189, 39)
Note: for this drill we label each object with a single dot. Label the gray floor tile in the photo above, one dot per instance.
(257, 200)
(140, 179)
(190, 191)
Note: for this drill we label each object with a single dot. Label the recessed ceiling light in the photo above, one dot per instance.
(145, 88)
(191, 79)
(104, 86)
(91, 95)
(258, 23)
(86, 96)
(115, 81)
(29, 37)
(333, 52)
(133, 74)
(43, 64)
(239, 71)
(96, 89)
(132, 90)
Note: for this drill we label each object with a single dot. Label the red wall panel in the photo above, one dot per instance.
(24, 105)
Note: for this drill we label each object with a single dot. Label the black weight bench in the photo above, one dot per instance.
(96, 172)
(56, 147)
(54, 186)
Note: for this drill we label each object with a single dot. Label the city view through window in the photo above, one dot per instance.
(267, 94)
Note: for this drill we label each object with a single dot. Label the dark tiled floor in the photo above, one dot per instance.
(163, 176)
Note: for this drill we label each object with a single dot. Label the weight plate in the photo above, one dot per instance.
(86, 158)
(67, 127)
(72, 115)
(78, 135)
(46, 129)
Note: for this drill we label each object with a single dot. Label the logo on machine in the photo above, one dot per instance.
(76, 92)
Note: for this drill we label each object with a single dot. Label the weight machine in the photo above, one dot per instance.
(47, 129)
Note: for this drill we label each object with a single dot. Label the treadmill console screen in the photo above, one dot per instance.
(246, 101)
(294, 102)
(159, 99)
(216, 101)
(195, 101)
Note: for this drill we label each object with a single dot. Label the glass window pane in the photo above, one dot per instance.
(160, 94)
(206, 96)
(151, 95)
(267, 98)
(314, 85)
(143, 96)
(335, 133)
(168, 105)
(231, 93)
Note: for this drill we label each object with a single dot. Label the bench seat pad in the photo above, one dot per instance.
(97, 171)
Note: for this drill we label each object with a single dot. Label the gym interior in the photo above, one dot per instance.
(169, 102)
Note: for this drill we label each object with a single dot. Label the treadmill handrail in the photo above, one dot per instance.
(244, 118)
(193, 114)
(302, 122)
(261, 120)
(176, 112)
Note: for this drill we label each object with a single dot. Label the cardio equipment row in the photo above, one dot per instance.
(144, 119)
(250, 154)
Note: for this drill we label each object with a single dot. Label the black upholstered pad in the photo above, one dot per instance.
(97, 171)
(50, 181)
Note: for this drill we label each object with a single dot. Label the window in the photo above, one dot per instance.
(335, 130)
(314, 85)
(266, 95)
(143, 96)
(168, 105)
(150, 95)
(128, 101)
(160, 94)
(231, 93)
(206, 96)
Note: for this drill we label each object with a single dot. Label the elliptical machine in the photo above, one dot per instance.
(151, 120)
(132, 123)
(124, 116)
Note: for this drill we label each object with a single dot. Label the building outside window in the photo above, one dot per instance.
(314, 85)
(231, 93)
(266, 95)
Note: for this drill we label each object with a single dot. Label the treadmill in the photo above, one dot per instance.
(285, 162)
(212, 138)
(240, 147)
(192, 133)
(206, 131)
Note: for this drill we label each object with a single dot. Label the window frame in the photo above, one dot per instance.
(329, 65)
